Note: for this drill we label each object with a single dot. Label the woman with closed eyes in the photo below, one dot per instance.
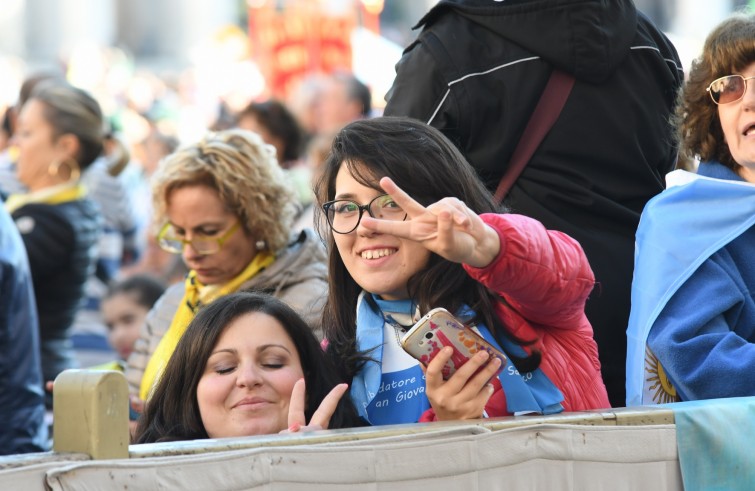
(247, 365)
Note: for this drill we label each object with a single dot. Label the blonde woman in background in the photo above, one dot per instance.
(225, 206)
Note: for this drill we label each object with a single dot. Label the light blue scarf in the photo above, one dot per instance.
(532, 392)
(370, 324)
(529, 393)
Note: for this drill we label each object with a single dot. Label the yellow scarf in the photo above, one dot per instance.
(195, 296)
(53, 195)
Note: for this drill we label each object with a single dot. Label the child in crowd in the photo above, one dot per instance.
(124, 310)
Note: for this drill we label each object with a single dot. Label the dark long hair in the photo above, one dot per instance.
(423, 162)
(173, 412)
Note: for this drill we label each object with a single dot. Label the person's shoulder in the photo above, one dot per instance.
(39, 218)
(304, 243)
(304, 259)
(649, 36)
(36, 209)
(161, 314)
(172, 295)
(74, 210)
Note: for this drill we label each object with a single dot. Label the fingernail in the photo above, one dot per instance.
(294, 427)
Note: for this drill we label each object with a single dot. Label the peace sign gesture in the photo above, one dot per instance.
(447, 227)
(321, 418)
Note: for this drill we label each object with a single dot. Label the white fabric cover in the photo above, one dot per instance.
(548, 457)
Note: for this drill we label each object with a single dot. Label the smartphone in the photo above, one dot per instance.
(438, 328)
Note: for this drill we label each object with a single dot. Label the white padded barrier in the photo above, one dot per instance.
(548, 457)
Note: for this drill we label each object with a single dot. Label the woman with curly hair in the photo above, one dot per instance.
(223, 203)
(692, 327)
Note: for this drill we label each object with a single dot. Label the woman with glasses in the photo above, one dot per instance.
(411, 228)
(692, 327)
(226, 208)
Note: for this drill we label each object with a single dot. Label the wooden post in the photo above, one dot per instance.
(90, 413)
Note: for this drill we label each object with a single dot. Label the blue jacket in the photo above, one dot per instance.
(692, 306)
(21, 402)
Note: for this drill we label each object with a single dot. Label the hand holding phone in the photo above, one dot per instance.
(438, 328)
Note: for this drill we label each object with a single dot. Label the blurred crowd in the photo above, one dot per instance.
(124, 122)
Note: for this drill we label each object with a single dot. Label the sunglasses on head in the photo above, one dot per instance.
(728, 89)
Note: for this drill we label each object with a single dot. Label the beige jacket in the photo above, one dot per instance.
(299, 277)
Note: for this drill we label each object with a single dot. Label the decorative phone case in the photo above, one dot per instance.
(438, 328)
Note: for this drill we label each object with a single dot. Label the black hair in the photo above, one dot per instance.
(281, 123)
(146, 289)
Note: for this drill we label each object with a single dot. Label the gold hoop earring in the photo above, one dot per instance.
(73, 169)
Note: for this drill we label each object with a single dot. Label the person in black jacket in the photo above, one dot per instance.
(22, 408)
(59, 135)
(476, 72)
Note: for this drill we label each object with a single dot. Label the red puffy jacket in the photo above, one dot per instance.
(546, 279)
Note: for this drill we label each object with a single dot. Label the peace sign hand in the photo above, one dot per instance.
(447, 227)
(321, 418)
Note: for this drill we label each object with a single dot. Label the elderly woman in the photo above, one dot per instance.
(692, 327)
(59, 135)
(225, 206)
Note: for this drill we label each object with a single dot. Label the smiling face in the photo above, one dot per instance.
(738, 125)
(198, 211)
(381, 264)
(247, 383)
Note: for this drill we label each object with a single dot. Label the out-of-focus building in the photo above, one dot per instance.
(43, 31)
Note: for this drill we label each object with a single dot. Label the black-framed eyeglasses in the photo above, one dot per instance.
(170, 241)
(344, 215)
(728, 89)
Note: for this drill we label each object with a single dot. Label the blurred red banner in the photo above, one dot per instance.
(296, 41)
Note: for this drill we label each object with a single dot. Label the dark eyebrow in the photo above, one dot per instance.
(260, 349)
(225, 350)
(346, 196)
(268, 346)
(352, 197)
